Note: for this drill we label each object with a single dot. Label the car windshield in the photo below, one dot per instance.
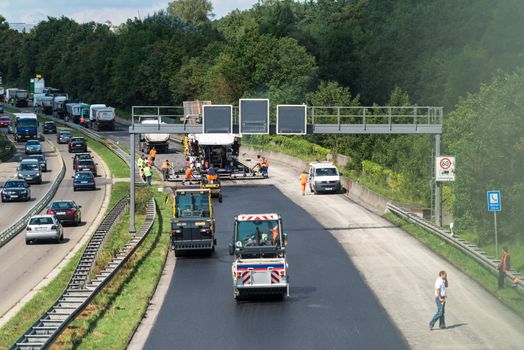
(62, 205)
(258, 233)
(326, 172)
(14, 184)
(82, 156)
(49, 124)
(27, 123)
(41, 221)
(85, 162)
(33, 143)
(84, 176)
(196, 205)
(29, 166)
(75, 139)
(4, 118)
(38, 157)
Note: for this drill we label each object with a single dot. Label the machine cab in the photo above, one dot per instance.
(258, 236)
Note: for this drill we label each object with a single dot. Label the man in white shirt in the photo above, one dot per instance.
(440, 300)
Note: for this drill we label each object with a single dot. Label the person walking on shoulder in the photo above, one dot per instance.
(504, 266)
(148, 173)
(440, 300)
(303, 182)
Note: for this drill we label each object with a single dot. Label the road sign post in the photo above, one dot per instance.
(495, 206)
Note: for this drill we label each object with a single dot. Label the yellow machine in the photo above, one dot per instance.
(212, 183)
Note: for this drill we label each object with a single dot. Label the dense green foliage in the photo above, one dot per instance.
(345, 52)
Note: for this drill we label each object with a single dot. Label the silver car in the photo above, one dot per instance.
(30, 171)
(43, 227)
(33, 147)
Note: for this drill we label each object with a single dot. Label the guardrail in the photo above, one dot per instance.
(18, 226)
(73, 300)
(466, 247)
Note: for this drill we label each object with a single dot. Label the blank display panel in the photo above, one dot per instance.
(254, 116)
(292, 119)
(217, 119)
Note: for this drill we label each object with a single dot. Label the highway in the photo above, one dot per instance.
(330, 306)
(23, 266)
(12, 211)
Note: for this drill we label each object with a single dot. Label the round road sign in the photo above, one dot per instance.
(445, 163)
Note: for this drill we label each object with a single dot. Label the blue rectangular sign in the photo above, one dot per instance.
(494, 201)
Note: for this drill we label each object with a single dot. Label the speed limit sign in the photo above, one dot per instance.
(445, 168)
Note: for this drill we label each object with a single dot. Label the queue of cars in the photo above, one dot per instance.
(49, 225)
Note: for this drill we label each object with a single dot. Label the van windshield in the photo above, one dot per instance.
(258, 233)
(326, 172)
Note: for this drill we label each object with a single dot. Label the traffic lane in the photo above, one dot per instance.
(23, 266)
(330, 306)
(10, 212)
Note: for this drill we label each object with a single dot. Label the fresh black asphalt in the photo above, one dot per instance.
(330, 306)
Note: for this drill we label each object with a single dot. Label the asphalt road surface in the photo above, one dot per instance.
(12, 211)
(24, 266)
(330, 306)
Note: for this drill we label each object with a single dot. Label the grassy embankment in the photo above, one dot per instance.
(301, 148)
(7, 149)
(485, 277)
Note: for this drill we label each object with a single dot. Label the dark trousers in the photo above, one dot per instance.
(502, 275)
(439, 315)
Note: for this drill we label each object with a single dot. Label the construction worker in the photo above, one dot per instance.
(165, 168)
(188, 174)
(211, 174)
(148, 173)
(303, 182)
(274, 235)
(265, 167)
(152, 154)
(140, 164)
(82, 120)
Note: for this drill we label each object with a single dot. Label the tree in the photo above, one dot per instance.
(191, 11)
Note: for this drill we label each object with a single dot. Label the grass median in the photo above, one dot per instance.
(110, 320)
(486, 278)
(45, 298)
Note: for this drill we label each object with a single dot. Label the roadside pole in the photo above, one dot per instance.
(494, 205)
(132, 228)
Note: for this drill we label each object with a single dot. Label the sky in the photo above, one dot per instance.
(116, 11)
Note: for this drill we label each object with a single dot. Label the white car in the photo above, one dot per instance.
(43, 227)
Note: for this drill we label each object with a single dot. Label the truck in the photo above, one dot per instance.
(260, 267)
(17, 97)
(25, 126)
(102, 117)
(59, 108)
(159, 141)
(76, 110)
(43, 103)
(193, 223)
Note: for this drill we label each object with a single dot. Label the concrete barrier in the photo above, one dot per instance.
(356, 192)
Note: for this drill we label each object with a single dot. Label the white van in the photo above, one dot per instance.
(324, 177)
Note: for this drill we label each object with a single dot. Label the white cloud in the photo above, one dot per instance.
(117, 11)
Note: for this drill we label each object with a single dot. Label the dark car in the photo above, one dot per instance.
(16, 190)
(49, 128)
(5, 121)
(63, 136)
(41, 159)
(66, 211)
(84, 180)
(81, 156)
(86, 164)
(33, 147)
(77, 144)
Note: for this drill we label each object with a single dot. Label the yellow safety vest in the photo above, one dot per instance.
(148, 172)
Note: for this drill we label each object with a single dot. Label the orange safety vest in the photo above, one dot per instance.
(504, 262)
(165, 165)
(303, 179)
(274, 232)
(152, 153)
(267, 163)
(189, 173)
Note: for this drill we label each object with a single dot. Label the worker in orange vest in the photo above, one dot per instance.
(504, 266)
(82, 120)
(165, 168)
(303, 182)
(152, 154)
(188, 174)
(265, 166)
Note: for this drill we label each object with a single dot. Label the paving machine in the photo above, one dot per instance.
(260, 266)
(193, 223)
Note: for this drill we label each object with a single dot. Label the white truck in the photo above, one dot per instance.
(17, 97)
(102, 117)
(260, 267)
(43, 103)
(148, 141)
